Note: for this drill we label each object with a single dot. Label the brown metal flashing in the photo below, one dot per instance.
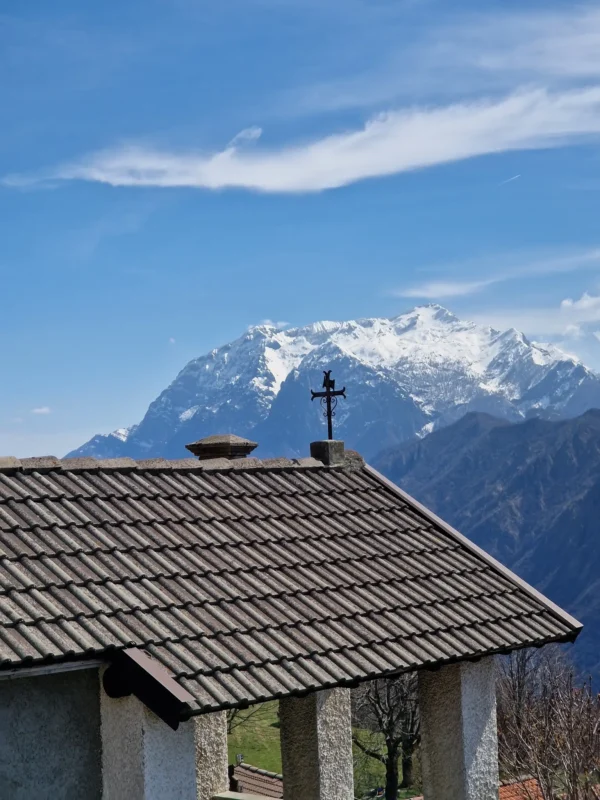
(490, 560)
(134, 672)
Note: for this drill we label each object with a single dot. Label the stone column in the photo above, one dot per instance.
(212, 760)
(316, 746)
(144, 759)
(459, 741)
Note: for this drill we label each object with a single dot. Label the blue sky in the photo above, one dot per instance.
(172, 171)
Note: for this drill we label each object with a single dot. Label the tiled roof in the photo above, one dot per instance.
(521, 790)
(247, 580)
(253, 780)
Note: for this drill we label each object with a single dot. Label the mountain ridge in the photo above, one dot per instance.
(405, 375)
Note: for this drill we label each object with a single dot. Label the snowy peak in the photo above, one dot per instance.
(405, 376)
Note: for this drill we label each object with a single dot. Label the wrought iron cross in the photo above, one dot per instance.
(329, 399)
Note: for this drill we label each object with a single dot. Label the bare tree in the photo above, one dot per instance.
(246, 716)
(387, 713)
(549, 727)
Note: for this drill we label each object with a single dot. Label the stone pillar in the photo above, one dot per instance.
(459, 741)
(212, 760)
(316, 746)
(144, 759)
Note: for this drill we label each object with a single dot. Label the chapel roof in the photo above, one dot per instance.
(245, 579)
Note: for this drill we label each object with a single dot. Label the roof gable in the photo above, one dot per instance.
(247, 580)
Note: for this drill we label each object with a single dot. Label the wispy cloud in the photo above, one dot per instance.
(467, 54)
(388, 144)
(82, 243)
(41, 410)
(251, 134)
(533, 44)
(438, 290)
(279, 324)
(500, 269)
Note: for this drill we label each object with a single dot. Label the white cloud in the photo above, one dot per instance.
(574, 332)
(41, 410)
(279, 324)
(487, 51)
(564, 44)
(500, 269)
(251, 134)
(441, 289)
(388, 144)
(171, 340)
(587, 304)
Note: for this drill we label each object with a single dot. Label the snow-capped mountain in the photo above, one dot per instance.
(404, 376)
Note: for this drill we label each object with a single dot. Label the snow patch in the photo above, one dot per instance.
(122, 434)
(188, 414)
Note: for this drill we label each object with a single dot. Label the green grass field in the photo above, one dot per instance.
(257, 739)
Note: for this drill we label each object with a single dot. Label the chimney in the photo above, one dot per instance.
(329, 451)
(225, 445)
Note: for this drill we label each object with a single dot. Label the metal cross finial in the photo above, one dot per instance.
(329, 399)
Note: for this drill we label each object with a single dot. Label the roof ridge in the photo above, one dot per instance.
(11, 464)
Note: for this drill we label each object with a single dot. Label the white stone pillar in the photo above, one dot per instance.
(459, 741)
(316, 746)
(144, 759)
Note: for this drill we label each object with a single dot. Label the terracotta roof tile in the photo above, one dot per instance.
(521, 790)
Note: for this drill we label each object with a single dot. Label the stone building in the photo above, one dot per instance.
(140, 600)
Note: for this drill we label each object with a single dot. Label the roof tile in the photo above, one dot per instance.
(247, 581)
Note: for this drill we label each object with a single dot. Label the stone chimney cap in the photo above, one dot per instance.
(222, 445)
(329, 451)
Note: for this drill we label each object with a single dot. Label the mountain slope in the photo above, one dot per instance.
(529, 493)
(405, 376)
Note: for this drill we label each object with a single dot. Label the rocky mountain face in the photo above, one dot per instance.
(528, 493)
(404, 376)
